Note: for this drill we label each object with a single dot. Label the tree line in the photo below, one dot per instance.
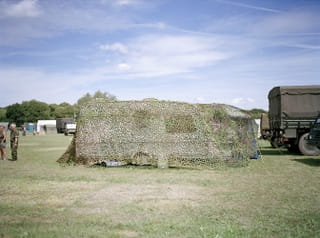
(255, 113)
(33, 110)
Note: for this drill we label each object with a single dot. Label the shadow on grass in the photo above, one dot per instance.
(268, 150)
(309, 161)
(275, 151)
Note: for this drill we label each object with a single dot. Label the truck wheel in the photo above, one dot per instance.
(273, 143)
(307, 149)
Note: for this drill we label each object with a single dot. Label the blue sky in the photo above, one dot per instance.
(205, 51)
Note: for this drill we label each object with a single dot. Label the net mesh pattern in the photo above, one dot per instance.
(162, 133)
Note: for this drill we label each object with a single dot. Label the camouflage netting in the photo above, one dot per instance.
(161, 133)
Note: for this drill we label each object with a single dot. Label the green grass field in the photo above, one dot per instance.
(276, 196)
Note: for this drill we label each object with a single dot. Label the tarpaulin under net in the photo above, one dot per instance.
(162, 134)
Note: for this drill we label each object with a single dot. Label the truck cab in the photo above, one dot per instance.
(70, 128)
(313, 138)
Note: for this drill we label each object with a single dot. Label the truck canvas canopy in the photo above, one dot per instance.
(294, 102)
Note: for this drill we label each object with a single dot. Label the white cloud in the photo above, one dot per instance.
(200, 100)
(250, 100)
(121, 3)
(24, 8)
(27, 20)
(242, 101)
(115, 47)
(32, 83)
(291, 22)
(124, 67)
(237, 100)
(158, 55)
(263, 50)
(254, 7)
(125, 2)
(150, 56)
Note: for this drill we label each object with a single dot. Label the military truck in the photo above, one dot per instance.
(292, 111)
(70, 128)
(314, 135)
(61, 124)
(264, 126)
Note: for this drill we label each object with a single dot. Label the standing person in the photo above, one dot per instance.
(3, 138)
(24, 132)
(14, 138)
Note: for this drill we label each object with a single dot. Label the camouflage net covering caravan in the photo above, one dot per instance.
(161, 133)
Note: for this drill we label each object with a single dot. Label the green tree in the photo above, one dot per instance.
(88, 97)
(3, 116)
(53, 108)
(255, 113)
(15, 114)
(34, 110)
(105, 95)
(64, 110)
(98, 94)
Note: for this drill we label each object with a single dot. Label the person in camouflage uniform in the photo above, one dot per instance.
(3, 137)
(14, 138)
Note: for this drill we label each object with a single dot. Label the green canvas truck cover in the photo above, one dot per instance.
(293, 102)
(264, 122)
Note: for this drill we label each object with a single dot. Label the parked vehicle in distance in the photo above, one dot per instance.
(314, 135)
(61, 124)
(292, 112)
(70, 128)
(264, 126)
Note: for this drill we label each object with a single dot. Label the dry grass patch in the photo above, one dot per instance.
(162, 197)
(276, 196)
